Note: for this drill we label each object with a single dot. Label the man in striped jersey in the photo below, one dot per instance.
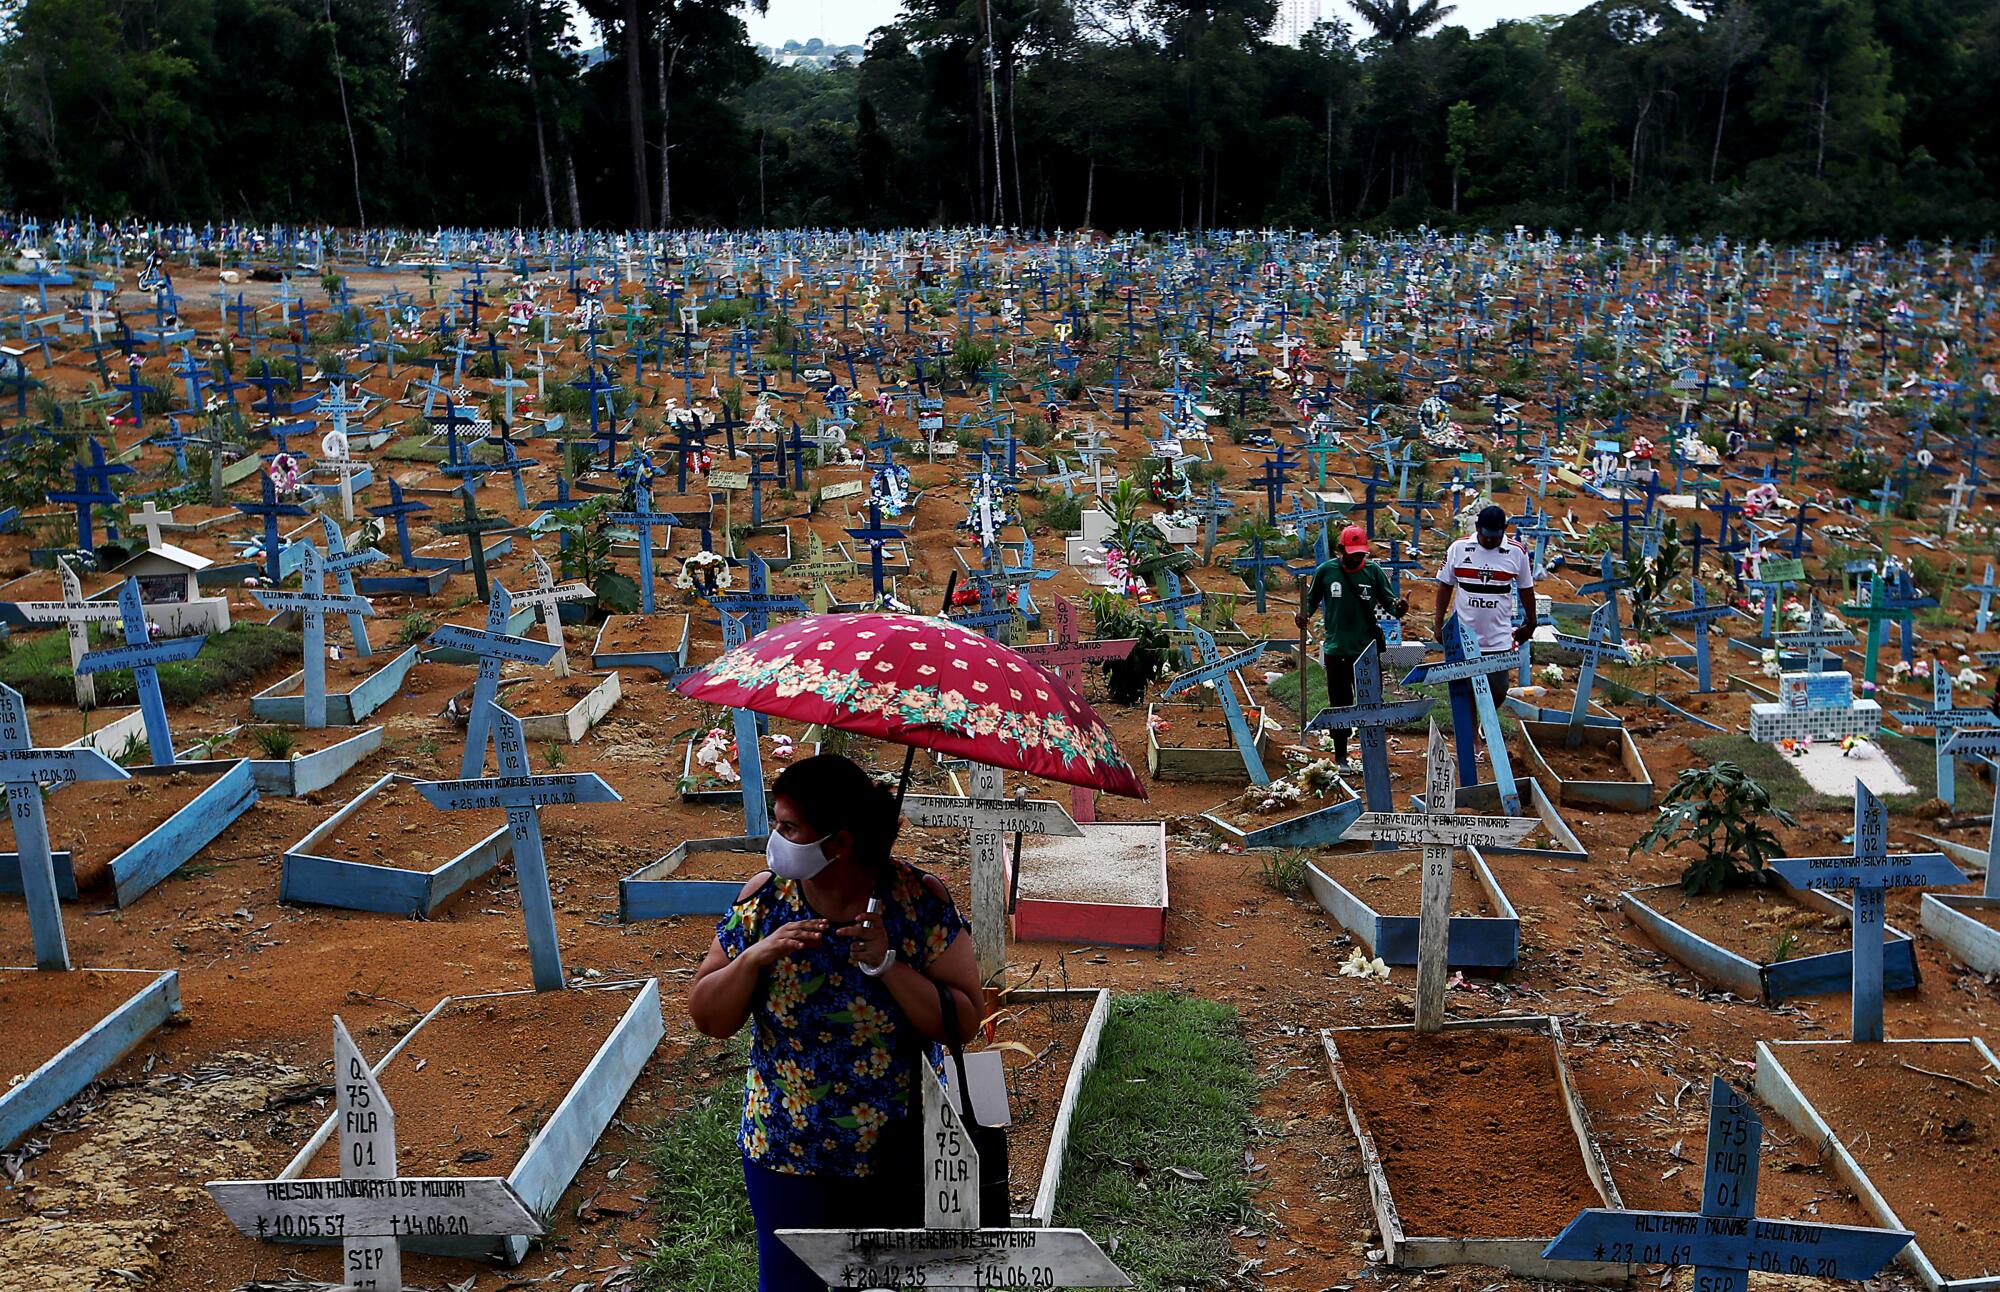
(1482, 579)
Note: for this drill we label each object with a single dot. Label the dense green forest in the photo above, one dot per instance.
(1779, 118)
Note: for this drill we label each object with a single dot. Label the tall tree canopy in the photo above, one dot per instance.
(1767, 117)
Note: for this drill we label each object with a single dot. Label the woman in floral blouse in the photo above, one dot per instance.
(837, 955)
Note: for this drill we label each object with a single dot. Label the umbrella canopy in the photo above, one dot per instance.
(924, 682)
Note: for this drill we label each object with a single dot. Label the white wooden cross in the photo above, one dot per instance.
(24, 770)
(1959, 491)
(150, 518)
(989, 816)
(333, 450)
(953, 1252)
(547, 595)
(1437, 830)
(76, 615)
(370, 1208)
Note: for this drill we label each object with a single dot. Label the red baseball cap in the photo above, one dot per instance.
(1354, 539)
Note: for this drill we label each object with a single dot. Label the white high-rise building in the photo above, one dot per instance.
(1295, 19)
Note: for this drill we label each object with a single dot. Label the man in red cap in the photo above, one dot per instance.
(1357, 595)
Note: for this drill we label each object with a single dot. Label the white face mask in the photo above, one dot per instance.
(790, 860)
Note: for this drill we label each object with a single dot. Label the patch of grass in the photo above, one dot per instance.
(707, 1241)
(1284, 872)
(1156, 1151)
(1285, 692)
(276, 742)
(1769, 767)
(37, 665)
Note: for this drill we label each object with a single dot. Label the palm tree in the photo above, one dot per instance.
(1396, 22)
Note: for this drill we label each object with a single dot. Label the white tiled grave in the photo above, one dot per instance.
(1829, 771)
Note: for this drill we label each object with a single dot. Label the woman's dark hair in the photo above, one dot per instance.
(833, 793)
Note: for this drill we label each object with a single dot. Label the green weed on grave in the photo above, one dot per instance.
(1156, 1151)
(37, 665)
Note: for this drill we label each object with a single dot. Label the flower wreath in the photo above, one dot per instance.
(696, 569)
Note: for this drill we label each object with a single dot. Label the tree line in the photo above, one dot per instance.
(1777, 118)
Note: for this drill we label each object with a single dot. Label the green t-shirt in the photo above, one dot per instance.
(1351, 601)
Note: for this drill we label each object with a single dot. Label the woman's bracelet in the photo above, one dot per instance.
(888, 958)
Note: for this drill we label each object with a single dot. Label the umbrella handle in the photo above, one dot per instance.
(903, 783)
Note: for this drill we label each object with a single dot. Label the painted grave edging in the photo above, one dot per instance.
(1828, 973)
(575, 722)
(1521, 1255)
(1185, 763)
(1042, 1213)
(343, 708)
(1471, 941)
(90, 1056)
(1973, 943)
(660, 661)
(1103, 924)
(652, 893)
(1776, 1088)
(551, 1160)
(1634, 795)
(312, 880)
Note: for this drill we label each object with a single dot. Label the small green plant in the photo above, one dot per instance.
(276, 742)
(1063, 512)
(1284, 872)
(414, 626)
(1785, 947)
(553, 754)
(1649, 579)
(1721, 810)
(1115, 619)
(587, 556)
(134, 752)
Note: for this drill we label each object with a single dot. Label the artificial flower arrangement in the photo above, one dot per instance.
(717, 752)
(704, 571)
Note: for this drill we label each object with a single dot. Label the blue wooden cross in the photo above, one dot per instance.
(523, 794)
(875, 534)
(1876, 610)
(1869, 871)
(143, 656)
(24, 770)
(1318, 519)
(1724, 1240)
(93, 489)
(269, 508)
(1211, 509)
(643, 518)
(757, 601)
(1174, 604)
(1608, 583)
(749, 754)
(1472, 706)
(1256, 563)
(492, 645)
(398, 510)
(1371, 718)
(1700, 614)
(1589, 650)
(342, 564)
(1986, 591)
(312, 603)
(1222, 671)
(1943, 719)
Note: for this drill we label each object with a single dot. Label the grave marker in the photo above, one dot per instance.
(369, 1207)
(523, 794)
(1066, 653)
(24, 770)
(493, 646)
(1437, 830)
(1222, 672)
(547, 596)
(1701, 615)
(143, 656)
(313, 603)
(1724, 1240)
(1869, 871)
(1589, 650)
(1370, 718)
(1471, 695)
(75, 615)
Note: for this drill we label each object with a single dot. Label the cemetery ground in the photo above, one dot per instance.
(1210, 1147)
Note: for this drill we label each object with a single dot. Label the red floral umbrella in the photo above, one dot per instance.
(923, 682)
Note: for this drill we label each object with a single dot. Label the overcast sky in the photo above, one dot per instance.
(848, 22)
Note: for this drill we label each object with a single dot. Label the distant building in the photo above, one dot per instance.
(1295, 19)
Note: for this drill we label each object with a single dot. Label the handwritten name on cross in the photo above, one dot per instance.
(1437, 830)
(24, 770)
(1869, 871)
(1724, 1240)
(143, 656)
(953, 1252)
(1221, 671)
(1943, 718)
(493, 646)
(523, 794)
(369, 1208)
(75, 615)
